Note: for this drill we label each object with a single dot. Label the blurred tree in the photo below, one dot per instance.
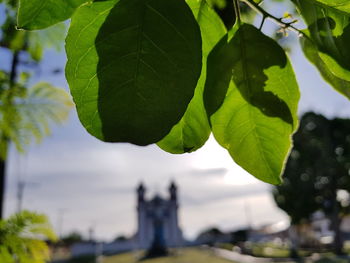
(318, 167)
(26, 112)
(210, 236)
(120, 238)
(22, 238)
(72, 238)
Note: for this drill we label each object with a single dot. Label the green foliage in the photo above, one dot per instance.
(138, 72)
(342, 5)
(317, 167)
(327, 42)
(26, 113)
(328, 67)
(22, 238)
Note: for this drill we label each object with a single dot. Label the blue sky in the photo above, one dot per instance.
(92, 184)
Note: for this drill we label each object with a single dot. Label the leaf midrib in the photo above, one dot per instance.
(139, 44)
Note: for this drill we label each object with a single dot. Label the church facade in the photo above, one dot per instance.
(158, 219)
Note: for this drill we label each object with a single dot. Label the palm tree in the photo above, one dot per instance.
(22, 238)
(26, 113)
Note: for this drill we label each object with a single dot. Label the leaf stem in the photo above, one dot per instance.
(279, 21)
(237, 11)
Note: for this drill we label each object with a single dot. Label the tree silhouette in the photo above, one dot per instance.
(317, 168)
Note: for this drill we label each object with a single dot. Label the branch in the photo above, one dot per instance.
(279, 21)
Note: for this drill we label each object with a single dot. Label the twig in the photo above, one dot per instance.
(279, 21)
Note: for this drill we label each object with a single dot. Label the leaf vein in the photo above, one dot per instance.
(168, 22)
(160, 49)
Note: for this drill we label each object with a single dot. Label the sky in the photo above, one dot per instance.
(83, 183)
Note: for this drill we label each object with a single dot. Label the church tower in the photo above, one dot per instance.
(141, 190)
(143, 231)
(174, 230)
(173, 191)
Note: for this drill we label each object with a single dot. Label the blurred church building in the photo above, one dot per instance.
(157, 219)
(158, 226)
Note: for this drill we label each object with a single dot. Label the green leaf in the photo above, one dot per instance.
(329, 29)
(251, 96)
(133, 66)
(327, 46)
(342, 5)
(39, 14)
(330, 70)
(193, 130)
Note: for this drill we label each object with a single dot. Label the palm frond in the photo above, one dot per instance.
(30, 116)
(22, 238)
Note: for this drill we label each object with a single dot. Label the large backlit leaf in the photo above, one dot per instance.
(251, 96)
(39, 14)
(131, 80)
(193, 130)
(327, 46)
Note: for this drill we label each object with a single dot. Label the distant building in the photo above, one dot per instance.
(158, 219)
